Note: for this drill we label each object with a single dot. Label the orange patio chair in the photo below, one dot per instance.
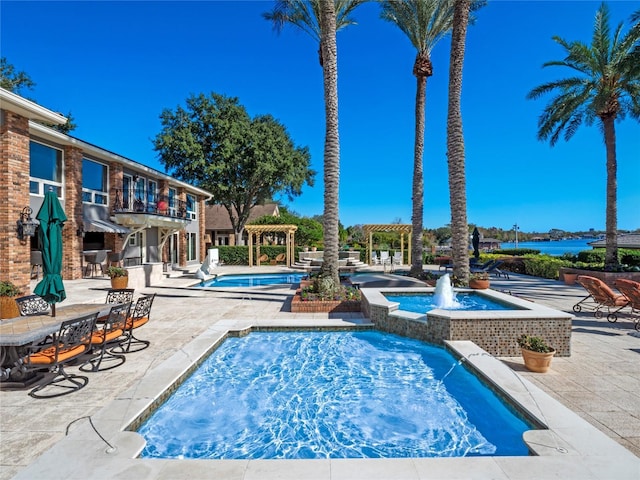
(72, 340)
(138, 317)
(631, 290)
(107, 334)
(600, 296)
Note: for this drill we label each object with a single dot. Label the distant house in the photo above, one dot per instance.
(625, 240)
(218, 229)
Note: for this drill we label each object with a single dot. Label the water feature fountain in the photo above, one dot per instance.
(444, 296)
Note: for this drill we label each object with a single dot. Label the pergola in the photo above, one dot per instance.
(392, 227)
(259, 230)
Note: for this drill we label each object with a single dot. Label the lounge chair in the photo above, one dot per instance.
(600, 296)
(384, 258)
(264, 258)
(374, 259)
(492, 267)
(631, 290)
(397, 258)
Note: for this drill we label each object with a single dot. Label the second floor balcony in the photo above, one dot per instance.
(136, 210)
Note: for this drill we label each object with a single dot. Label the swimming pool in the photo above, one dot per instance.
(253, 280)
(293, 395)
(424, 302)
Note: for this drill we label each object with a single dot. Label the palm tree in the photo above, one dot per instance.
(424, 22)
(455, 145)
(321, 20)
(331, 149)
(305, 15)
(606, 86)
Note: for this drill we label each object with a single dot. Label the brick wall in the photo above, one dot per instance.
(15, 261)
(72, 243)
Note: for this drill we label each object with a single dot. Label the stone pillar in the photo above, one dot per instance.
(15, 259)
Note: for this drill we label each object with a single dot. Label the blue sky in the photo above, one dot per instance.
(117, 65)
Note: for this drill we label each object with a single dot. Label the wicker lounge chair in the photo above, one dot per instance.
(600, 296)
(631, 290)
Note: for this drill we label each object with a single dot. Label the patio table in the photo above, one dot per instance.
(19, 333)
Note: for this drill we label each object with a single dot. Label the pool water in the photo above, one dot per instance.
(423, 302)
(303, 395)
(254, 280)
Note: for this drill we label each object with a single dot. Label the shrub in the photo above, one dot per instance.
(535, 344)
(544, 266)
(517, 251)
(8, 289)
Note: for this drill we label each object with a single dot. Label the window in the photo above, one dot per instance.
(191, 246)
(172, 201)
(139, 194)
(191, 207)
(45, 169)
(152, 195)
(94, 182)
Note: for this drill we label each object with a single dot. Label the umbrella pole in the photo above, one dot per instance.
(53, 309)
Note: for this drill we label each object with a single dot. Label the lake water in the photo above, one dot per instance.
(555, 247)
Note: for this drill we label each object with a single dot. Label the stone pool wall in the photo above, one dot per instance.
(495, 331)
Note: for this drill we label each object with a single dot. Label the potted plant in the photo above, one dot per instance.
(8, 305)
(119, 277)
(479, 280)
(536, 353)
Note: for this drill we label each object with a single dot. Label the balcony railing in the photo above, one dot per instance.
(131, 201)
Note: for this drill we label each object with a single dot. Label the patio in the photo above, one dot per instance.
(597, 382)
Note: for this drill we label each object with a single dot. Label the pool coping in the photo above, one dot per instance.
(571, 448)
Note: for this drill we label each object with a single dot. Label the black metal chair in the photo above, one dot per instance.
(94, 261)
(120, 295)
(69, 343)
(138, 317)
(36, 263)
(108, 333)
(32, 305)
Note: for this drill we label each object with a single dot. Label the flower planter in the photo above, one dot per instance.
(570, 278)
(478, 284)
(320, 306)
(119, 282)
(8, 307)
(536, 361)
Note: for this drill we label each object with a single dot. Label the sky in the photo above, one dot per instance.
(116, 65)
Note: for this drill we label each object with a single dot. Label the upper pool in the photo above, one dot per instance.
(253, 280)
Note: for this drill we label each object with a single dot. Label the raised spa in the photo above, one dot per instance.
(494, 330)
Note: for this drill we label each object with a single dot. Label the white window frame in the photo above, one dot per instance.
(43, 182)
(95, 193)
(192, 214)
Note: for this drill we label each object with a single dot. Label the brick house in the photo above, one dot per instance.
(111, 202)
(218, 224)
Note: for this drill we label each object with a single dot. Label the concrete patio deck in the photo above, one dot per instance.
(600, 381)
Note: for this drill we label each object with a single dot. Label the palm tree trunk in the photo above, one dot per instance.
(331, 145)
(455, 146)
(611, 254)
(418, 178)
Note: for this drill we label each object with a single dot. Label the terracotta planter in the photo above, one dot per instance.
(570, 278)
(536, 361)
(8, 307)
(478, 284)
(119, 282)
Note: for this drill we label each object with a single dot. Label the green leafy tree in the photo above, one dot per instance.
(604, 87)
(242, 161)
(12, 80)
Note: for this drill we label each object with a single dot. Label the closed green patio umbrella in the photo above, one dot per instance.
(52, 218)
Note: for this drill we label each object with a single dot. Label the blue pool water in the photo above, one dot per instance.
(254, 280)
(423, 302)
(301, 395)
